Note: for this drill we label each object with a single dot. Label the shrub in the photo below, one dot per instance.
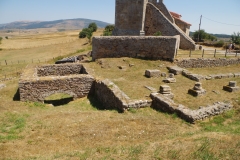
(158, 33)
(108, 30)
(6, 37)
(219, 44)
(85, 32)
(93, 27)
(236, 37)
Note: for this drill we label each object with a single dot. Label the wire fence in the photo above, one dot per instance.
(205, 53)
(35, 60)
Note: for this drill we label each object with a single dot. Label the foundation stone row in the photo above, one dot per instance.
(204, 63)
(161, 102)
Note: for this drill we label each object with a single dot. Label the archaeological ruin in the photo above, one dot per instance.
(136, 21)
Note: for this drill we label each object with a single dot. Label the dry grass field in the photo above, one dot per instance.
(79, 130)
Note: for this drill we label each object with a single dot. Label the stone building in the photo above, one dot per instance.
(146, 17)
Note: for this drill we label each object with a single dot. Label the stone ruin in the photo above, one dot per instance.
(166, 91)
(197, 90)
(136, 21)
(170, 79)
(231, 87)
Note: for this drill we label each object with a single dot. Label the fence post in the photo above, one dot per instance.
(203, 53)
(5, 76)
(6, 62)
(236, 53)
(226, 54)
(215, 52)
(190, 54)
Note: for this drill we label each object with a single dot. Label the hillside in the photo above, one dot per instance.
(59, 24)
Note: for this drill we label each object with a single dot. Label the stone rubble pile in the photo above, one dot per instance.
(204, 63)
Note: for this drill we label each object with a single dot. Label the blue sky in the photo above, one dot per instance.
(223, 11)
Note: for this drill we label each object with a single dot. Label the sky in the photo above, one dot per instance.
(219, 16)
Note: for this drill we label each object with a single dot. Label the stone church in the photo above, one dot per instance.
(146, 17)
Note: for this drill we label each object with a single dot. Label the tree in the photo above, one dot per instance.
(93, 26)
(108, 30)
(203, 35)
(236, 37)
(85, 32)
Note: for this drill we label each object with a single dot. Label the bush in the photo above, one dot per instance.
(219, 44)
(158, 33)
(236, 37)
(108, 30)
(85, 32)
(93, 27)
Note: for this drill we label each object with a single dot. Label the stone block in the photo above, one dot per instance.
(175, 70)
(197, 93)
(231, 89)
(236, 74)
(152, 73)
(170, 80)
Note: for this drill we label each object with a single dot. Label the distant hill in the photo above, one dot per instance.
(216, 35)
(59, 24)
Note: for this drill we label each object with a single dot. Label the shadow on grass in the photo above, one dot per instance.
(98, 105)
(59, 102)
(16, 96)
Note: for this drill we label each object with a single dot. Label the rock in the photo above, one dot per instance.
(152, 73)
(2, 86)
(175, 70)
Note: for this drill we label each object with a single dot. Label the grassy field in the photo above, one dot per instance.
(78, 130)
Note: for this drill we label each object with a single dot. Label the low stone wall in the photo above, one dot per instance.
(203, 63)
(112, 97)
(152, 47)
(59, 70)
(38, 83)
(160, 102)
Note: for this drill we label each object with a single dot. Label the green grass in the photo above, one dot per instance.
(11, 125)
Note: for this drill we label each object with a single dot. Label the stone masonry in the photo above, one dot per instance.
(157, 21)
(38, 83)
(135, 46)
(146, 17)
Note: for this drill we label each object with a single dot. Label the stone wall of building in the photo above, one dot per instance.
(203, 63)
(154, 47)
(38, 83)
(129, 17)
(112, 97)
(59, 70)
(160, 5)
(156, 21)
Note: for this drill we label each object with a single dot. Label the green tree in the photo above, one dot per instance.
(203, 35)
(108, 30)
(85, 32)
(236, 37)
(93, 26)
